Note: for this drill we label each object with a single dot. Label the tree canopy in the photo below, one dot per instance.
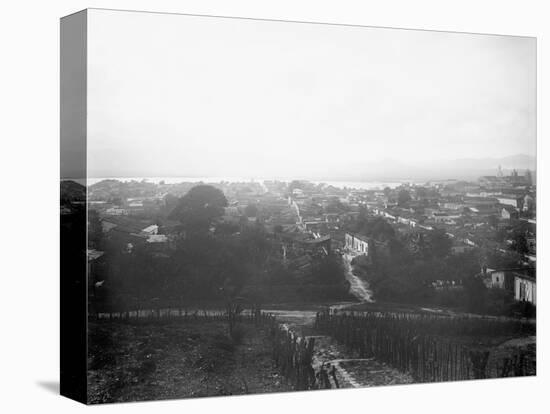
(199, 208)
(251, 210)
(403, 197)
(375, 227)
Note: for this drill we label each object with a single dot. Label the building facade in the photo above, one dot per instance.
(525, 289)
(357, 244)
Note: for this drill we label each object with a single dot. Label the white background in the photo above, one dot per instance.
(29, 262)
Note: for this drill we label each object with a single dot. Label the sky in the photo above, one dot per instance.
(175, 95)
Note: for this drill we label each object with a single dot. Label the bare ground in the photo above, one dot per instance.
(177, 359)
(350, 371)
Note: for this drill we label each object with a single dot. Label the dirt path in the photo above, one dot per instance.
(358, 287)
(354, 372)
(351, 372)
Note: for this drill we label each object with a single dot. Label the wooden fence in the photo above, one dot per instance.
(429, 348)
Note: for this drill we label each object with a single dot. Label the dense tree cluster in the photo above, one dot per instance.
(211, 261)
(403, 197)
(405, 268)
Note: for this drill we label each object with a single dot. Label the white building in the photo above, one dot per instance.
(440, 217)
(511, 201)
(525, 289)
(358, 244)
(529, 203)
(157, 238)
(150, 230)
(497, 279)
(451, 205)
(116, 211)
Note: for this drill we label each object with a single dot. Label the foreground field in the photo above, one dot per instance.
(160, 355)
(178, 359)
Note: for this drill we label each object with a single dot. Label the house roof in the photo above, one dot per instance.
(361, 237)
(127, 224)
(318, 240)
(150, 228)
(527, 272)
(157, 238)
(525, 277)
(508, 208)
(94, 254)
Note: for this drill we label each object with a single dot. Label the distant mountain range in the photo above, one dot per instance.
(385, 170)
(518, 162)
(463, 169)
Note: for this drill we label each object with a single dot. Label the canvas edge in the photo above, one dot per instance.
(73, 268)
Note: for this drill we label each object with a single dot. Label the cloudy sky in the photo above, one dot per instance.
(172, 95)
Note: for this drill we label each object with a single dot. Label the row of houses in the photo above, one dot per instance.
(522, 282)
(128, 232)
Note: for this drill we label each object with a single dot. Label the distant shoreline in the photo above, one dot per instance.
(364, 185)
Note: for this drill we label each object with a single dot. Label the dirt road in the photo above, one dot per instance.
(351, 372)
(358, 287)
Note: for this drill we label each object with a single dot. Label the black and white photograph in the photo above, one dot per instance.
(275, 206)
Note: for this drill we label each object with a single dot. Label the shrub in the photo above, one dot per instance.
(523, 309)
(237, 334)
